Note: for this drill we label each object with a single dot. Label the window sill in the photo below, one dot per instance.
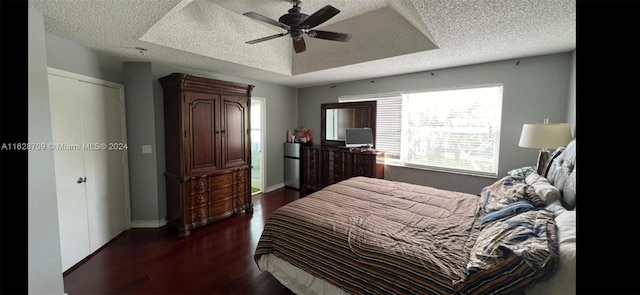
(440, 169)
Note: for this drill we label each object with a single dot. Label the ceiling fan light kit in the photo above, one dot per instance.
(298, 24)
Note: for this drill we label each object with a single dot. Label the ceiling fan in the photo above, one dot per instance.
(297, 24)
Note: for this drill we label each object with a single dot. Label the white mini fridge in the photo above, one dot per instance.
(293, 165)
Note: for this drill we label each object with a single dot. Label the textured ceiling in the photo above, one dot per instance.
(389, 36)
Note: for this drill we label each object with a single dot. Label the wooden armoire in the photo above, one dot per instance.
(208, 150)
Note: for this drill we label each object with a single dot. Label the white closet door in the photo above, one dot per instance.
(66, 123)
(87, 124)
(102, 129)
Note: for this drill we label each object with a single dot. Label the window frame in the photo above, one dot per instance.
(402, 163)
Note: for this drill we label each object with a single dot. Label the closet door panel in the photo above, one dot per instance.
(104, 162)
(66, 124)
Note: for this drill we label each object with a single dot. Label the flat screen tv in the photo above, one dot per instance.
(358, 137)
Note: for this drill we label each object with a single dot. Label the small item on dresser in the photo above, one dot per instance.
(308, 136)
(304, 135)
(368, 150)
(289, 136)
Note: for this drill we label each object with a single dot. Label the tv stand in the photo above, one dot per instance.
(326, 165)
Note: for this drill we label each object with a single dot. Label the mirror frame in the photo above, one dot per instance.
(370, 105)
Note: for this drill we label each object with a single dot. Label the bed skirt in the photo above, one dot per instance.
(295, 279)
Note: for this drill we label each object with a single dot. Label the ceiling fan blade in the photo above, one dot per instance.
(266, 38)
(319, 17)
(265, 19)
(299, 45)
(333, 36)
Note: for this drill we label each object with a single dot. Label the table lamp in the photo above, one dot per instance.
(544, 136)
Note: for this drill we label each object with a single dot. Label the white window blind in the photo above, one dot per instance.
(455, 130)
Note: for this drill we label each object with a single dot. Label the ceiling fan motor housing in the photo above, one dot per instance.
(293, 20)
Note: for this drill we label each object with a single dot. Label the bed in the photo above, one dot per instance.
(375, 236)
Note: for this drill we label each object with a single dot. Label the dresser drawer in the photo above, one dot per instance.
(221, 207)
(362, 170)
(220, 180)
(221, 194)
(362, 159)
(336, 175)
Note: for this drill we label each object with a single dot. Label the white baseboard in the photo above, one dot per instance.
(274, 187)
(148, 223)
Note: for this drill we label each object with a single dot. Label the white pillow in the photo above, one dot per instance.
(564, 280)
(543, 188)
(556, 208)
(566, 223)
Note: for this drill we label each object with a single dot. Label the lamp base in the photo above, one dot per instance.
(543, 157)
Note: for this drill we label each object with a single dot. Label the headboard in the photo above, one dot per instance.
(561, 173)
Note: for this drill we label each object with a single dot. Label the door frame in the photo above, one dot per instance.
(123, 121)
(263, 126)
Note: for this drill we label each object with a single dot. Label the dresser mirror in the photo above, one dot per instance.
(337, 117)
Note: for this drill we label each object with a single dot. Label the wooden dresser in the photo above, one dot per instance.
(208, 150)
(323, 166)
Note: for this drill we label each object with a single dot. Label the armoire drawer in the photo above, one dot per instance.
(199, 215)
(220, 180)
(199, 184)
(241, 176)
(221, 194)
(198, 199)
(221, 207)
(241, 188)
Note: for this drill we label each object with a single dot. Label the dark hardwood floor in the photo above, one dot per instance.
(214, 259)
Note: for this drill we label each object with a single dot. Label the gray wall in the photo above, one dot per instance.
(44, 260)
(68, 56)
(534, 88)
(141, 130)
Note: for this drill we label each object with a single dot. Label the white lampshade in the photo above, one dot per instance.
(545, 136)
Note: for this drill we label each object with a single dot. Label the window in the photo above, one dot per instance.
(455, 130)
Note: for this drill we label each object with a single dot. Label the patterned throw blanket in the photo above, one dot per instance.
(373, 236)
(518, 241)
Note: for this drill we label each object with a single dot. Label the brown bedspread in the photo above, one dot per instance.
(377, 236)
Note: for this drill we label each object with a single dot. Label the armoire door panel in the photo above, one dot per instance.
(202, 133)
(235, 135)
